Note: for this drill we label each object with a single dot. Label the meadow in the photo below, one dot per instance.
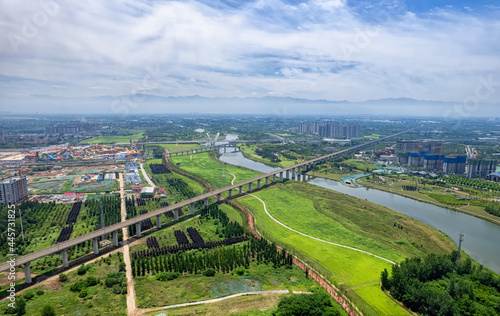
(114, 139)
(346, 220)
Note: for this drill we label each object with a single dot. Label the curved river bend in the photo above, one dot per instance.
(481, 238)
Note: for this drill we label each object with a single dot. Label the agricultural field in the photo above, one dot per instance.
(95, 289)
(339, 218)
(55, 185)
(114, 139)
(207, 168)
(178, 187)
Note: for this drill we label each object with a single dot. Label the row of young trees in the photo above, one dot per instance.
(229, 229)
(443, 285)
(222, 259)
(475, 183)
(111, 210)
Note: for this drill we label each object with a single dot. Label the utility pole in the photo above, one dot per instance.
(460, 240)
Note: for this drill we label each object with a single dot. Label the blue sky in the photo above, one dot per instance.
(319, 49)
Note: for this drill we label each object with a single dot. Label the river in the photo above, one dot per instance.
(481, 238)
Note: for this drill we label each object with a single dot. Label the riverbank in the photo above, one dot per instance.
(249, 153)
(466, 209)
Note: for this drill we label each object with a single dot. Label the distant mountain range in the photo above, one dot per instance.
(143, 103)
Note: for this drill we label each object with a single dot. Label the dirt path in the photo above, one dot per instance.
(146, 176)
(234, 177)
(221, 299)
(131, 304)
(318, 239)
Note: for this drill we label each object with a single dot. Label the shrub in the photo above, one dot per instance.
(48, 311)
(82, 270)
(63, 277)
(209, 272)
(78, 286)
(115, 278)
(121, 267)
(40, 292)
(92, 281)
(117, 289)
(83, 293)
(28, 295)
(167, 276)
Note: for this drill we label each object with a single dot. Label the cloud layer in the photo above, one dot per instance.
(318, 49)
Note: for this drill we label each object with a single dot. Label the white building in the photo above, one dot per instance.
(10, 190)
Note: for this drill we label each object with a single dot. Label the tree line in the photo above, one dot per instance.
(443, 285)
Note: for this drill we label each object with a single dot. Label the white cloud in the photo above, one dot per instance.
(316, 49)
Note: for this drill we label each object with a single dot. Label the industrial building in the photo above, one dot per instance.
(11, 192)
(131, 166)
(148, 192)
(480, 168)
(133, 178)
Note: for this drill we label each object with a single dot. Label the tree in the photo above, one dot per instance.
(385, 280)
(317, 304)
(48, 311)
(20, 306)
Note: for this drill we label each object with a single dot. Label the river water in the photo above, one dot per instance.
(481, 238)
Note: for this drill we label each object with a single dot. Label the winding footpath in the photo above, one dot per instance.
(225, 298)
(146, 176)
(318, 239)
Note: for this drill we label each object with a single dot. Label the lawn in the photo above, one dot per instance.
(211, 170)
(114, 139)
(99, 301)
(343, 219)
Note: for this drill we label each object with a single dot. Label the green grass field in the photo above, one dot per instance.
(250, 305)
(339, 218)
(249, 152)
(114, 139)
(191, 288)
(210, 170)
(99, 301)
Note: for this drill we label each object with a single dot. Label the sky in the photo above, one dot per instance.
(319, 50)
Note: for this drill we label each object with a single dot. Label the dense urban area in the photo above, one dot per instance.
(249, 215)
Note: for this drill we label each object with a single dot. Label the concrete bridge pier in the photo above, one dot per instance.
(95, 243)
(241, 189)
(258, 184)
(224, 148)
(138, 232)
(176, 215)
(288, 174)
(230, 194)
(299, 170)
(158, 221)
(115, 238)
(218, 197)
(267, 181)
(293, 173)
(281, 176)
(65, 258)
(274, 177)
(206, 201)
(27, 273)
(191, 208)
(250, 187)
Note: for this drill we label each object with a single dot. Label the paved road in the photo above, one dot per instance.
(146, 176)
(95, 234)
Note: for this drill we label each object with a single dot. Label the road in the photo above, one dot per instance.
(146, 176)
(186, 203)
(131, 303)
